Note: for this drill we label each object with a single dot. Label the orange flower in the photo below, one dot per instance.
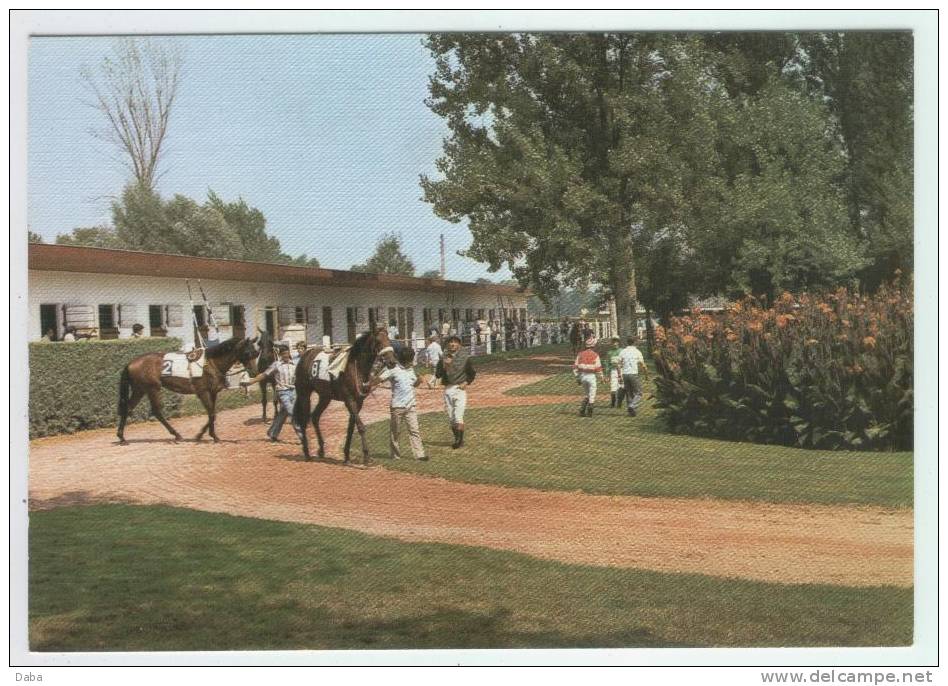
(845, 322)
(755, 325)
(825, 309)
(811, 341)
(768, 336)
(869, 342)
(687, 339)
(782, 320)
(731, 336)
(785, 297)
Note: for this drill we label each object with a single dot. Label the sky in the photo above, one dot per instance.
(326, 134)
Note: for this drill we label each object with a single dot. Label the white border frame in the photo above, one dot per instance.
(922, 22)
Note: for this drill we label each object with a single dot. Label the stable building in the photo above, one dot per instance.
(108, 291)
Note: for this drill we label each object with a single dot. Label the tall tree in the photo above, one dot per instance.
(33, 237)
(388, 258)
(867, 81)
(564, 146)
(432, 274)
(135, 89)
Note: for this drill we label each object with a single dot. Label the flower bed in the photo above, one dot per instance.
(830, 371)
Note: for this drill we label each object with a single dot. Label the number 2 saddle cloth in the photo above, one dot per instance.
(183, 365)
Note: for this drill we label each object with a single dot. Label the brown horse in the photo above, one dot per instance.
(268, 356)
(142, 376)
(347, 388)
(576, 338)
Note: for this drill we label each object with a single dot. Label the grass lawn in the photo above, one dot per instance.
(117, 577)
(550, 447)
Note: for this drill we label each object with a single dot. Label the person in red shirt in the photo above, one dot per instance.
(588, 368)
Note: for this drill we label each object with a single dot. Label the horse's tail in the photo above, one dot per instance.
(125, 391)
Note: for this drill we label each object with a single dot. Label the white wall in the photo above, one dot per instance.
(72, 288)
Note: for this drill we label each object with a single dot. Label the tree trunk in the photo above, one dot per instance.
(623, 286)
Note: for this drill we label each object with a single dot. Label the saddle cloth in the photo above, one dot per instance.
(177, 364)
(327, 368)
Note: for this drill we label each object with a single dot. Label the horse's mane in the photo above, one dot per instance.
(363, 344)
(224, 348)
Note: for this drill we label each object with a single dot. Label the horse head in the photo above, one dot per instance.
(247, 353)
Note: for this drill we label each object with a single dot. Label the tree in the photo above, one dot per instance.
(300, 260)
(388, 258)
(144, 221)
(867, 81)
(135, 90)
(32, 237)
(92, 236)
(563, 146)
(251, 228)
(432, 274)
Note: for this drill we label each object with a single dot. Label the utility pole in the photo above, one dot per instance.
(443, 270)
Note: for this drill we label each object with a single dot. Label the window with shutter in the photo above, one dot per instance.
(80, 316)
(286, 315)
(128, 315)
(174, 316)
(222, 314)
(299, 314)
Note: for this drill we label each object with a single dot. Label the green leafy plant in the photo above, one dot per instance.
(830, 371)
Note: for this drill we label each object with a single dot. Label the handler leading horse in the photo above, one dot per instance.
(347, 388)
(143, 376)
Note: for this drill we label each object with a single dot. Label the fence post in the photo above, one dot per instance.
(489, 335)
(503, 337)
(473, 341)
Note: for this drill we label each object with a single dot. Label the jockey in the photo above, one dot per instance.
(587, 368)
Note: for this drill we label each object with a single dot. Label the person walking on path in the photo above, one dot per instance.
(587, 369)
(615, 374)
(433, 354)
(633, 368)
(403, 406)
(283, 374)
(456, 373)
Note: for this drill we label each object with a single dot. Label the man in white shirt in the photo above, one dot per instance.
(433, 353)
(403, 408)
(632, 366)
(283, 374)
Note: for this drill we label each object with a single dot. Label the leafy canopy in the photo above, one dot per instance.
(388, 258)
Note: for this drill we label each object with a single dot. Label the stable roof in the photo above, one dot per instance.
(72, 258)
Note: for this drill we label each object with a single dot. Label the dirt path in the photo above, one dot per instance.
(246, 475)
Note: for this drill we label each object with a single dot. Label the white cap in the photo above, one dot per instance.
(327, 342)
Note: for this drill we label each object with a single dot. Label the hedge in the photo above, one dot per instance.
(829, 371)
(74, 386)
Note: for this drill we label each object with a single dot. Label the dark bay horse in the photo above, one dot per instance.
(347, 388)
(267, 357)
(575, 338)
(142, 376)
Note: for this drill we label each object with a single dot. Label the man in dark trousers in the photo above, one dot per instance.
(456, 372)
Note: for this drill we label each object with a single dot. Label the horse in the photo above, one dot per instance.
(143, 376)
(575, 338)
(347, 388)
(267, 357)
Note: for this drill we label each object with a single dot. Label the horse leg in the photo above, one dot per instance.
(154, 397)
(321, 406)
(212, 415)
(360, 425)
(349, 434)
(263, 400)
(300, 417)
(137, 394)
(205, 401)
